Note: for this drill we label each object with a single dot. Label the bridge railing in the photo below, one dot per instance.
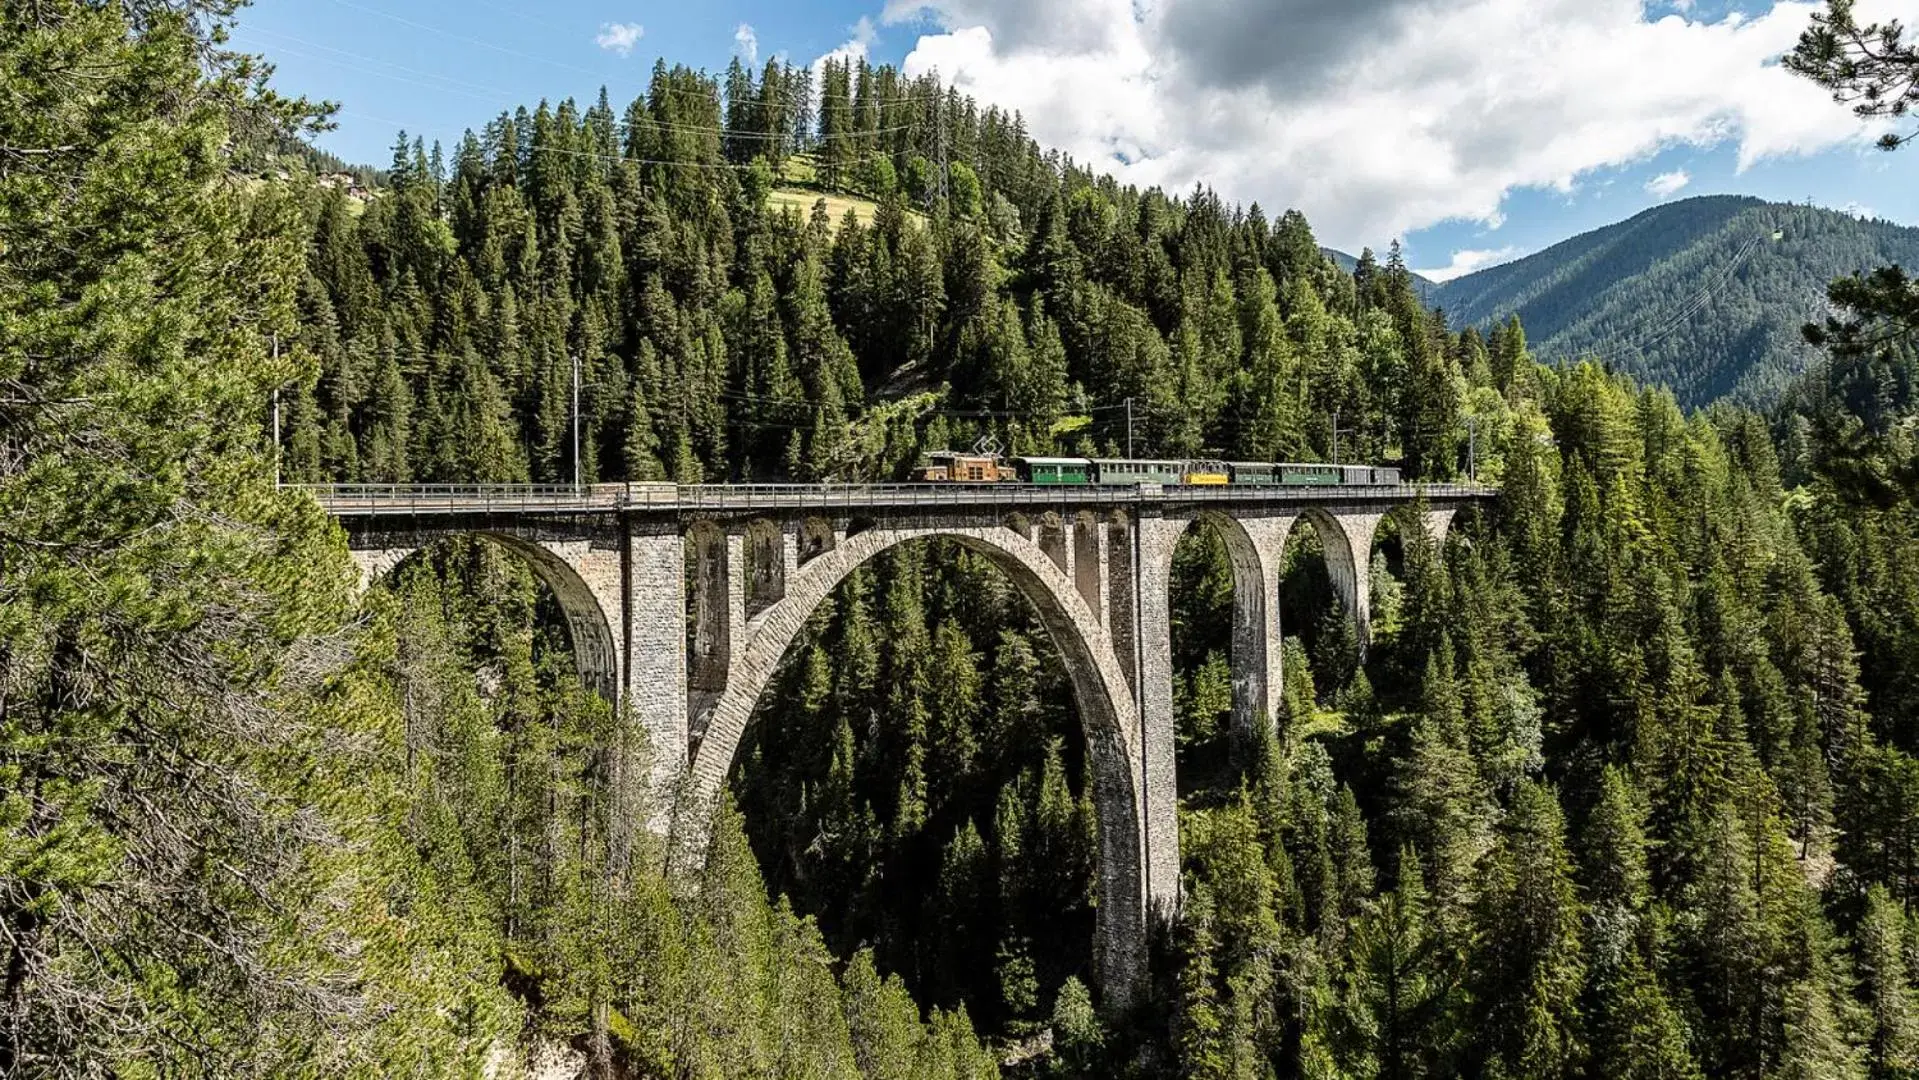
(846, 496)
(603, 498)
(788, 496)
(489, 498)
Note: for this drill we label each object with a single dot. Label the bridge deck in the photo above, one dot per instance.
(355, 500)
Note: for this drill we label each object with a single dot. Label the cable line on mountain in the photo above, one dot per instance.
(967, 414)
(1667, 327)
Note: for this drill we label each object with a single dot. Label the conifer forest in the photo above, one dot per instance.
(1626, 785)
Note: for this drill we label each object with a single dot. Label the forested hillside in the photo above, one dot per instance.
(1624, 787)
(1704, 295)
(723, 337)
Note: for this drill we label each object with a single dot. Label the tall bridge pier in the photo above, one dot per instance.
(682, 602)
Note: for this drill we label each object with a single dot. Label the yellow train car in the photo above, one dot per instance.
(1206, 472)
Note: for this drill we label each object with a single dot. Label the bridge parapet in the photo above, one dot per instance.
(354, 500)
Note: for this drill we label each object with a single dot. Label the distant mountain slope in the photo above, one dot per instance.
(1705, 295)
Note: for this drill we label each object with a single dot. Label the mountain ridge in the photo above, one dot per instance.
(1705, 295)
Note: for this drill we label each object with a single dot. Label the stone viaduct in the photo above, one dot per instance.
(682, 602)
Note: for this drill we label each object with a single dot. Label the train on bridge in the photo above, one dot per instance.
(977, 467)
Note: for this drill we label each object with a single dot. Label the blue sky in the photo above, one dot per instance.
(1477, 130)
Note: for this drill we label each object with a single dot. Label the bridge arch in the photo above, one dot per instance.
(1100, 689)
(1255, 548)
(563, 567)
(1346, 541)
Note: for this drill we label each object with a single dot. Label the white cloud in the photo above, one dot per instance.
(620, 37)
(1667, 184)
(863, 35)
(1378, 117)
(747, 44)
(1465, 262)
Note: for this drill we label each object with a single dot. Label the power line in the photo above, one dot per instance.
(285, 50)
(734, 133)
(1705, 295)
(480, 43)
(1693, 306)
(930, 97)
(972, 414)
(504, 10)
(404, 21)
(616, 159)
(249, 30)
(853, 105)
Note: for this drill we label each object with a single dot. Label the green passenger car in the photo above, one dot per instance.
(1254, 472)
(1310, 474)
(1141, 472)
(1043, 470)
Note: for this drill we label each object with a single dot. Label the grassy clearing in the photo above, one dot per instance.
(836, 205)
(800, 170)
(799, 187)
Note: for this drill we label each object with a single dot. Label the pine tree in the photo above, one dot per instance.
(1444, 807)
(639, 450)
(1397, 995)
(1078, 1036)
(1199, 1027)
(1815, 1045)
(953, 745)
(155, 579)
(1064, 843)
(883, 1021)
(1633, 1028)
(1894, 1046)
(1352, 860)
(1509, 358)
(480, 446)
(1231, 865)
(1018, 985)
(387, 424)
(959, 906)
(1529, 966)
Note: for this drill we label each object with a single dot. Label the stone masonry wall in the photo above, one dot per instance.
(1159, 736)
(654, 613)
